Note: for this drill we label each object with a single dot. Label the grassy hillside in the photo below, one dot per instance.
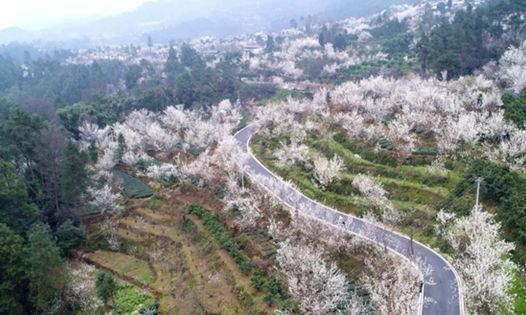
(183, 256)
(415, 190)
(418, 191)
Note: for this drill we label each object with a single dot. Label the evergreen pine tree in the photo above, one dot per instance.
(45, 268)
(73, 174)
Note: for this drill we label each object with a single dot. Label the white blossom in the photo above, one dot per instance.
(248, 206)
(393, 290)
(82, 286)
(484, 260)
(321, 287)
(292, 153)
(327, 171)
(104, 200)
(513, 67)
(227, 115)
(445, 217)
(164, 171)
(370, 188)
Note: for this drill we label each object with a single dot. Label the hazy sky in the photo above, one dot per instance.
(35, 14)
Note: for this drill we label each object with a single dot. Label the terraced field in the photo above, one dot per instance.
(126, 267)
(172, 255)
(416, 190)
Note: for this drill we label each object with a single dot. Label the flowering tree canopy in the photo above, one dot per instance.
(484, 260)
(327, 171)
(320, 286)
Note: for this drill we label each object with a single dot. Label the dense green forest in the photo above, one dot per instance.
(109, 88)
(43, 181)
(472, 39)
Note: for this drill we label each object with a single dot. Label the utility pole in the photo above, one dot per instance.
(478, 181)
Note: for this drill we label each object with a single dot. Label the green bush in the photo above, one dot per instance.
(222, 236)
(515, 109)
(342, 187)
(425, 151)
(156, 203)
(274, 290)
(259, 279)
(70, 236)
(244, 297)
(105, 286)
(143, 165)
(274, 287)
(395, 66)
(366, 152)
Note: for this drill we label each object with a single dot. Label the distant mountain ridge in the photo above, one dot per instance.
(11, 34)
(167, 20)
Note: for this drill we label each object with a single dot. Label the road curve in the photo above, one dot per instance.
(441, 282)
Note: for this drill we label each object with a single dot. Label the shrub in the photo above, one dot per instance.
(105, 286)
(70, 236)
(244, 297)
(258, 280)
(222, 236)
(380, 157)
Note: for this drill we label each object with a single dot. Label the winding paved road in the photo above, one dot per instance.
(441, 284)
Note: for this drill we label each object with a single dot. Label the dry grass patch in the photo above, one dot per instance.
(154, 216)
(127, 267)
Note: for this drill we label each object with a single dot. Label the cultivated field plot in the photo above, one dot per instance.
(127, 267)
(170, 253)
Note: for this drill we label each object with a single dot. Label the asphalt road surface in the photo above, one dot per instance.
(441, 285)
